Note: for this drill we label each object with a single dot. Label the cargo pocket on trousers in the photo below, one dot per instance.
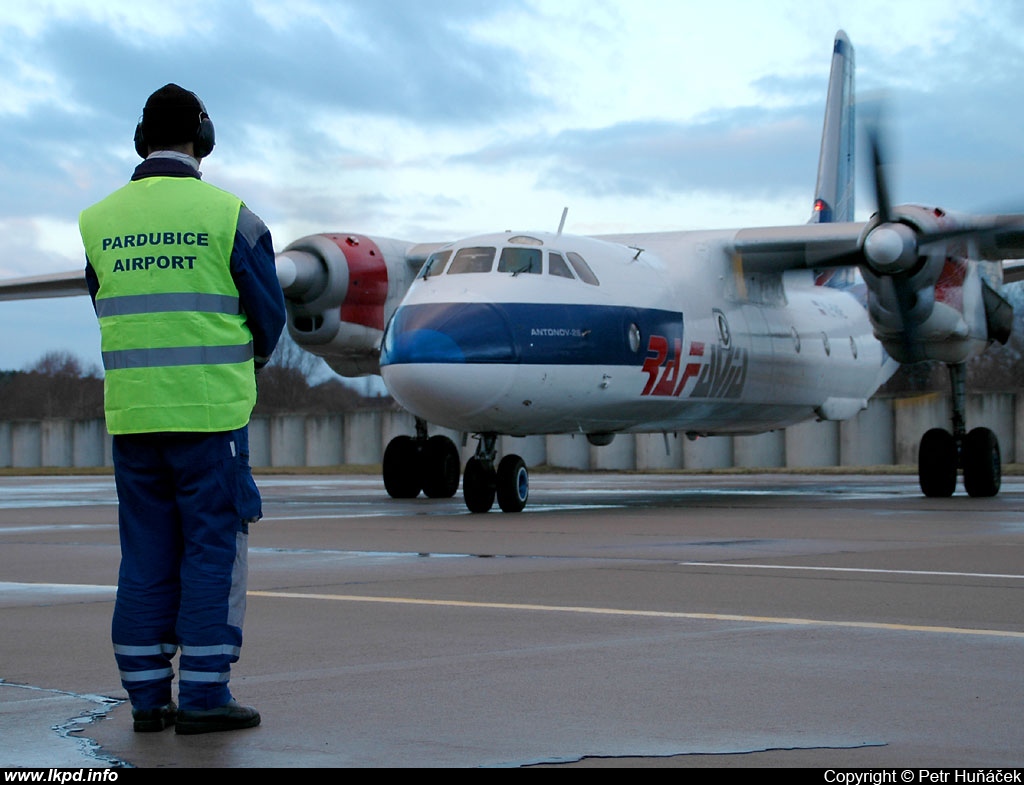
(238, 484)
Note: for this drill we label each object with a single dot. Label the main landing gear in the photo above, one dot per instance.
(418, 463)
(975, 452)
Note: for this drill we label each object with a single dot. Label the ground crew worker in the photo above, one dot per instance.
(184, 286)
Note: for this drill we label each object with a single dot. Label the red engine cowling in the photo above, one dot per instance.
(340, 290)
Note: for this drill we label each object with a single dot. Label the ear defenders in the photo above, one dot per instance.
(203, 139)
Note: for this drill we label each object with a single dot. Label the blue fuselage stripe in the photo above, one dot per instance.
(526, 333)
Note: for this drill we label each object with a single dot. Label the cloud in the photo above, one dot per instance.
(728, 153)
(427, 120)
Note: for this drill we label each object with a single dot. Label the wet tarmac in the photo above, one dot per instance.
(621, 620)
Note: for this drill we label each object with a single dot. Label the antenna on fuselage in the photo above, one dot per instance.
(561, 224)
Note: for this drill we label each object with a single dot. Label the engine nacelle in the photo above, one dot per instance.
(340, 290)
(925, 303)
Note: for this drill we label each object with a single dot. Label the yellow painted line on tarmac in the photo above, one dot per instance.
(863, 625)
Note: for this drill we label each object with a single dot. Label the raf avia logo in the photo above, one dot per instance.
(717, 371)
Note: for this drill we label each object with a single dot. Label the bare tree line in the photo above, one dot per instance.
(58, 385)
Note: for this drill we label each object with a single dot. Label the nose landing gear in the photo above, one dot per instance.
(481, 482)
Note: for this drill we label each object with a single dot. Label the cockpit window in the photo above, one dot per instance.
(512, 259)
(472, 260)
(435, 263)
(557, 266)
(583, 269)
(519, 260)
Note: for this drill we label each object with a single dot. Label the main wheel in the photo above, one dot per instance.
(478, 486)
(983, 470)
(936, 463)
(401, 468)
(513, 484)
(440, 468)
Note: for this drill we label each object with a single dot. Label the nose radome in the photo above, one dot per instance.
(450, 333)
(447, 362)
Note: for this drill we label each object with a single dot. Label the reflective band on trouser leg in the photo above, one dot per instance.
(165, 649)
(210, 651)
(135, 677)
(146, 672)
(205, 677)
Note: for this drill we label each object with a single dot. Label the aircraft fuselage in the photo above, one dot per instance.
(510, 334)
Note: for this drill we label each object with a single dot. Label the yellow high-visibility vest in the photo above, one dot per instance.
(177, 353)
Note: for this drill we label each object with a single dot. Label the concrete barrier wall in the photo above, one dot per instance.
(886, 433)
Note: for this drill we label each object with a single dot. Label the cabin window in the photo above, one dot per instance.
(583, 269)
(519, 260)
(472, 260)
(557, 266)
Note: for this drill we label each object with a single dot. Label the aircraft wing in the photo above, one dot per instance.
(807, 246)
(878, 246)
(67, 284)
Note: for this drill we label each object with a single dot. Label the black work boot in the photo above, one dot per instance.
(151, 720)
(230, 716)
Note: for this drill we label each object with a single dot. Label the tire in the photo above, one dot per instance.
(513, 484)
(401, 468)
(983, 469)
(937, 463)
(478, 486)
(441, 466)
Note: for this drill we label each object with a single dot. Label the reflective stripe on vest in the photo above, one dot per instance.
(176, 355)
(176, 349)
(151, 303)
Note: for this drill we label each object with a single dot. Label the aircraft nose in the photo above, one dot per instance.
(446, 362)
(449, 333)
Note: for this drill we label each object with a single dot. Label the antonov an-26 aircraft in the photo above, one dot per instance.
(704, 332)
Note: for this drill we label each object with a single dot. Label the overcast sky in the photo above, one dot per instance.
(434, 119)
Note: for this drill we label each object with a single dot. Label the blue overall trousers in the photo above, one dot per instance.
(185, 504)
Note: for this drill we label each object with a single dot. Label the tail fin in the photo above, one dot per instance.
(833, 196)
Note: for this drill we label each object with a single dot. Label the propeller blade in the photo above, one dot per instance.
(871, 114)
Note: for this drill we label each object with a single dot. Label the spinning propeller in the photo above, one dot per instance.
(896, 242)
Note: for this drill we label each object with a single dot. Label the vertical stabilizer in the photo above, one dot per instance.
(833, 196)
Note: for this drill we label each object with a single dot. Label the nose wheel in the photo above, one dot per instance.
(482, 483)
